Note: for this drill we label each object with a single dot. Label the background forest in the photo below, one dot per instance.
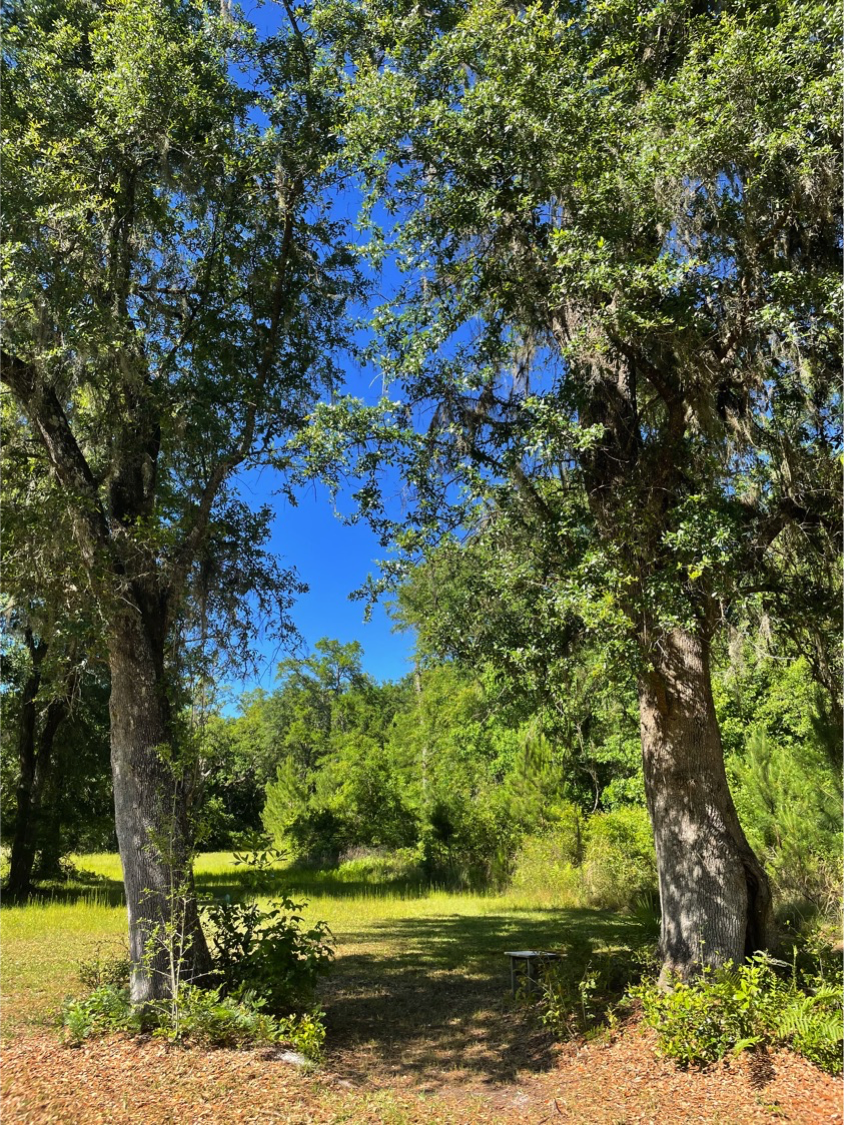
(464, 772)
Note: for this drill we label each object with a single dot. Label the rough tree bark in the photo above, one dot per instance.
(714, 894)
(715, 899)
(166, 942)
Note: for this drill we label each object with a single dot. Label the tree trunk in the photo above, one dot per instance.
(714, 895)
(50, 848)
(20, 862)
(30, 794)
(166, 942)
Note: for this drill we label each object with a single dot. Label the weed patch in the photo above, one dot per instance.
(736, 1007)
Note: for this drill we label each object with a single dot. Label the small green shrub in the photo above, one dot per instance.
(306, 1033)
(207, 1017)
(268, 952)
(107, 1009)
(580, 993)
(203, 1016)
(109, 968)
(735, 1007)
(701, 1021)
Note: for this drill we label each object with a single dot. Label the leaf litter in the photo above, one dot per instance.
(123, 1081)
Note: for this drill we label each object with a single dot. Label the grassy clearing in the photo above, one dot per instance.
(42, 943)
(421, 1027)
(420, 978)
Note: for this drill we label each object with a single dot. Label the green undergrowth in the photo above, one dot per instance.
(45, 937)
(583, 994)
(605, 861)
(764, 1002)
(200, 1016)
(266, 961)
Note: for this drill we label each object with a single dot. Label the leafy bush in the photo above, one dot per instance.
(619, 862)
(204, 1016)
(580, 993)
(105, 969)
(735, 1007)
(106, 1009)
(266, 963)
(701, 1021)
(267, 952)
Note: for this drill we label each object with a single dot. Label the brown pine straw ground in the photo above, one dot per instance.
(123, 1081)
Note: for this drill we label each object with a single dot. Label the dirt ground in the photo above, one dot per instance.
(121, 1081)
(421, 1031)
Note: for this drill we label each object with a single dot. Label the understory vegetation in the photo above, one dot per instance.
(261, 987)
(763, 1003)
(202, 1016)
(453, 777)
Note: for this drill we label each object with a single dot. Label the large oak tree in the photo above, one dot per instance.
(175, 289)
(620, 228)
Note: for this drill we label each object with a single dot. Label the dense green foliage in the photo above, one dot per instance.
(741, 1006)
(201, 1016)
(265, 952)
(460, 774)
(77, 812)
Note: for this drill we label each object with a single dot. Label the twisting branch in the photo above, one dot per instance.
(41, 404)
(226, 465)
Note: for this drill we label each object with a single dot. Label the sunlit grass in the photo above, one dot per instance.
(391, 925)
(420, 985)
(42, 945)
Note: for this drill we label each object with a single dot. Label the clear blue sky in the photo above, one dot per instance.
(332, 558)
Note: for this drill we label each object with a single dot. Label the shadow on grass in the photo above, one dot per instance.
(432, 999)
(423, 998)
(79, 887)
(86, 886)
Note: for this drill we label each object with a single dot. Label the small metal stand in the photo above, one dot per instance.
(532, 962)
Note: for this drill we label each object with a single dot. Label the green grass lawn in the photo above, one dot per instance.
(420, 983)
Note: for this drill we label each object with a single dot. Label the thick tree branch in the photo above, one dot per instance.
(227, 465)
(67, 460)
